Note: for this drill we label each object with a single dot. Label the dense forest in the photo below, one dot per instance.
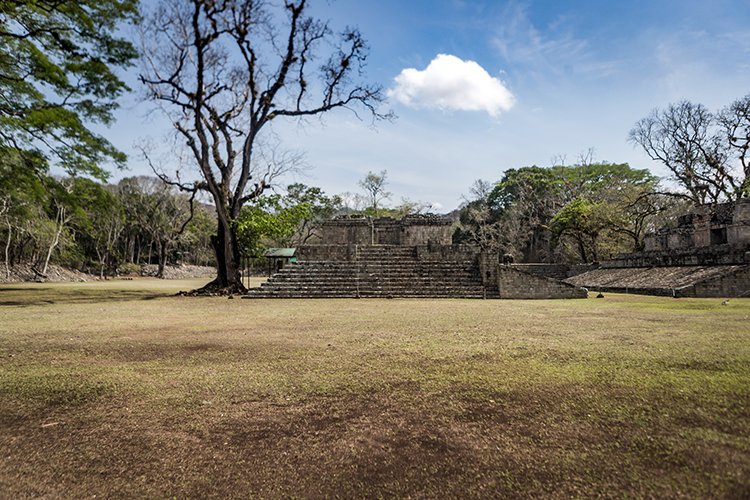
(100, 228)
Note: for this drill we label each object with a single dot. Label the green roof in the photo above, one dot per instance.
(280, 252)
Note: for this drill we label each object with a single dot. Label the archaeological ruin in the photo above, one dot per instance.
(707, 254)
(361, 257)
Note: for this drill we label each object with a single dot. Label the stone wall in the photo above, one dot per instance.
(424, 231)
(410, 231)
(724, 224)
(706, 256)
(326, 252)
(555, 271)
(728, 285)
(515, 284)
(348, 231)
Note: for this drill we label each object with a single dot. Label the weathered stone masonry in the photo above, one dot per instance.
(411, 257)
(706, 255)
(409, 231)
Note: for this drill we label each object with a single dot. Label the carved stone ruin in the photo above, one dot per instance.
(707, 254)
(409, 231)
(411, 257)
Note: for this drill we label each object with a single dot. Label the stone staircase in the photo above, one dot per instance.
(386, 271)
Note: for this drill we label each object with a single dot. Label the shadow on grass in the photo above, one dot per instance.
(25, 297)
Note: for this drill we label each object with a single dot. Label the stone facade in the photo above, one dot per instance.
(706, 255)
(513, 283)
(728, 284)
(409, 231)
(706, 236)
(725, 224)
(360, 256)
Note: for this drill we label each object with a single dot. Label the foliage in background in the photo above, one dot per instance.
(290, 220)
(267, 222)
(83, 224)
(573, 213)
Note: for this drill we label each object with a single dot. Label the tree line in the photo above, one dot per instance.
(116, 228)
(579, 213)
(101, 228)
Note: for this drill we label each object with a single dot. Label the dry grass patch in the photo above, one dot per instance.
(122, 389)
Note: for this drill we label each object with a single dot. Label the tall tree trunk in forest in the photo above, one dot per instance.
(3, 210)
(582, 249)
(162, 262)
(102, 262)
(60, 221)
(7, 250)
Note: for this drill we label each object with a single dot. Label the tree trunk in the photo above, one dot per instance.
(7, 251)
(7, 243)
(163, 252)
(582, 249)
(228, 279)
(61, 225)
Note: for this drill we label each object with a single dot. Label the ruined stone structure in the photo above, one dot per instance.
(705, 236)
(726, 224)
(411, 257)
(706, 255)
(515, 283)
(409, 231)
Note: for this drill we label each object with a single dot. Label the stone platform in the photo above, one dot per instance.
(676, 281)
(386, 271)
(397, 271)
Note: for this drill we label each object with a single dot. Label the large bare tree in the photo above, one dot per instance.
(223, 70)
(685, 139)
(735, 123)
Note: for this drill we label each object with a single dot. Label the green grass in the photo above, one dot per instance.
(120, 388)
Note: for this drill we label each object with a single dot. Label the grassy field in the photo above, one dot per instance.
(122, 389)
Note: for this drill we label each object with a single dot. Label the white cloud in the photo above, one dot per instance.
(449, 82)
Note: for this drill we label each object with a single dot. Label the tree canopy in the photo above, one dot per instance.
(574, 213)
(57, 75)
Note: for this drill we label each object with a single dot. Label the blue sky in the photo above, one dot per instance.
(551, 79)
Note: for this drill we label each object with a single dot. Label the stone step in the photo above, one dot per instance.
(378, 263)
(363, 294)
(377, 271)
(388, 275)
(375, 280)
(371, 284)
(381, 272)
